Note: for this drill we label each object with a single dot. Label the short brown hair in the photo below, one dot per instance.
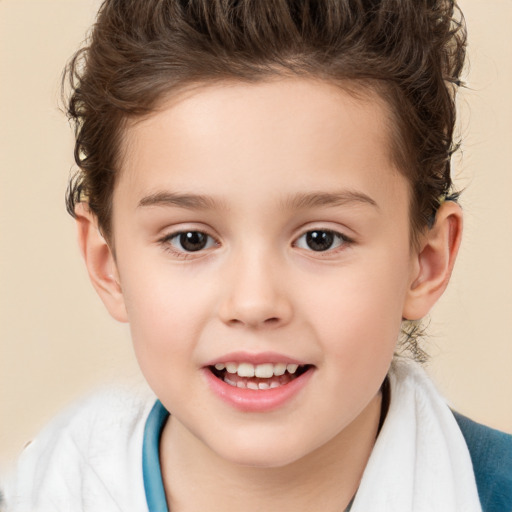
(410, 52)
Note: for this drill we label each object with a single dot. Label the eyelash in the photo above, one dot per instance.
(326, 235)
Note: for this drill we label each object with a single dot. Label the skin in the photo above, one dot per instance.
(254, 153)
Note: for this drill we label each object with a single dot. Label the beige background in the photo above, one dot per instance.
(56, 340)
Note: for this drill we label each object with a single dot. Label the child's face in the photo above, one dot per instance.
(298, 251)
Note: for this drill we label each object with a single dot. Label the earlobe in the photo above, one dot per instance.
(434, 261)
(100, 262)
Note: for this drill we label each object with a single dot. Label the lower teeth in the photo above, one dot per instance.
(260, 384)
(255, 383)
(252, 385)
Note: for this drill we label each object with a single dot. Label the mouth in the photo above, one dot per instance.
(259, 377)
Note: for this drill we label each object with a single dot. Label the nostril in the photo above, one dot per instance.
(269, 321)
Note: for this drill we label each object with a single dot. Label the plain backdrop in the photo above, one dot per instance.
(57, 341)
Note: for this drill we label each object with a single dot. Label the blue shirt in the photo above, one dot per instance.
(491, 454)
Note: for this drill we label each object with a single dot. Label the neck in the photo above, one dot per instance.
(325, 479)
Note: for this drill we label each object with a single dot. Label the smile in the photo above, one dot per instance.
(258, 377)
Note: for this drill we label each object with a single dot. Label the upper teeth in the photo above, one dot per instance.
(264, 371)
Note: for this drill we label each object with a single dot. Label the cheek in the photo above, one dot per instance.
(160, 296)
(359, 312)
(165, 314)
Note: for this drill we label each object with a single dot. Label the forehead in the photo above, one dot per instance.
(284, 136)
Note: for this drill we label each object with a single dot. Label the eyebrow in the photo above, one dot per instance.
(303, 201)
(300, 201)
(189, 201)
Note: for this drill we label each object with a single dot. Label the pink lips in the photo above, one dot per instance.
(249, 400)
(260, 358)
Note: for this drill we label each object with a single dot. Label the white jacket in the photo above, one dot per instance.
(88, 459)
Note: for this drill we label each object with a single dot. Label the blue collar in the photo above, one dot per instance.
(153, 483)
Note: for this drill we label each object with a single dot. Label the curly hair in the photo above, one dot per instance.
(139, 51)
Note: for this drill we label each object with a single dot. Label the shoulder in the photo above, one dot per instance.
(491, 454)
(90, 454)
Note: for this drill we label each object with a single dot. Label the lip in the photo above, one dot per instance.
(263, 400)
(259, 358)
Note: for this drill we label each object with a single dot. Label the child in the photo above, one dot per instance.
(265, 196)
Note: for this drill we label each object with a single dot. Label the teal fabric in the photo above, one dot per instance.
(153, 484)
(491, 454)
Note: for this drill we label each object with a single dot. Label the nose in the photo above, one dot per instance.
(255, 293)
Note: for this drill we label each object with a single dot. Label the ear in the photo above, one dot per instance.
(100, 262)
(434, 261)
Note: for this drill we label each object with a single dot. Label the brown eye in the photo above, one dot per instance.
(320, 240)
(191, 241)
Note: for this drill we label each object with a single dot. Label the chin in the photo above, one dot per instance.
(256, 452)
(259, 459)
